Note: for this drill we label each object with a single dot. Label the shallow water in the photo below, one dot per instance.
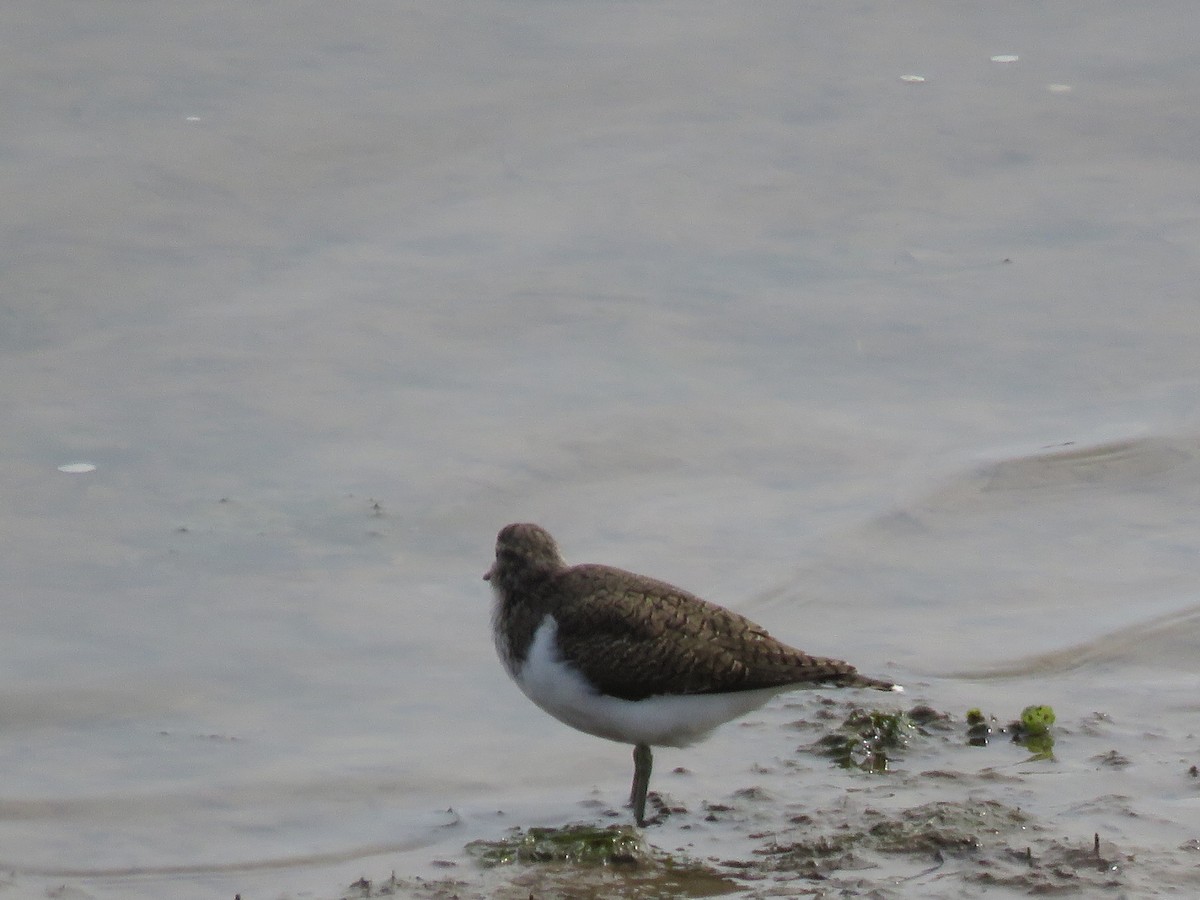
(903, 370)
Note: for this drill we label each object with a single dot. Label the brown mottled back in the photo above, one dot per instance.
(636, 637)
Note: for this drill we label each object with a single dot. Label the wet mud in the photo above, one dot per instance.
(935, 806)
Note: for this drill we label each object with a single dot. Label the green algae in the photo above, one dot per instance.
(583, 845)
(1031, 730)
(867, 740)
(585, 861)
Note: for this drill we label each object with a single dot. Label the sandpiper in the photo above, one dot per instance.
(632, 659)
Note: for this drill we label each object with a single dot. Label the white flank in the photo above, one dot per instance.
(669, 720)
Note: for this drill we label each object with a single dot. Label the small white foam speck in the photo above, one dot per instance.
(77, 468)
(1005, 58)
(1059, 88)
(913, 79)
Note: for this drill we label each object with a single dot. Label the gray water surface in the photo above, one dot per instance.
(328, 293)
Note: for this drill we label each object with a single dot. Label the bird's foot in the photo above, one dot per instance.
(656, 814)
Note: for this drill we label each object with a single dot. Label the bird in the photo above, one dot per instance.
(633, 659)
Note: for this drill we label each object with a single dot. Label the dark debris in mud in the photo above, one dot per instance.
(931, 830)
(1057, 868)
(977, 842)
(985, 843)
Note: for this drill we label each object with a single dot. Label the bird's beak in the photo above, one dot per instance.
(487, 576)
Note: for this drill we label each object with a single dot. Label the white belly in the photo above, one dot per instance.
(662, 721)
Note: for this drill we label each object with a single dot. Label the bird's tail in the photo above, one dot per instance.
(878, 684)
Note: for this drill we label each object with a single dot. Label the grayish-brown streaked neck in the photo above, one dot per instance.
(527, 559)
(524, 553)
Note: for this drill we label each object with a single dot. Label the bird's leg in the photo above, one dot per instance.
(642, 762)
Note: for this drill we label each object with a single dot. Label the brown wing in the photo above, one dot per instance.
(635, 637)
